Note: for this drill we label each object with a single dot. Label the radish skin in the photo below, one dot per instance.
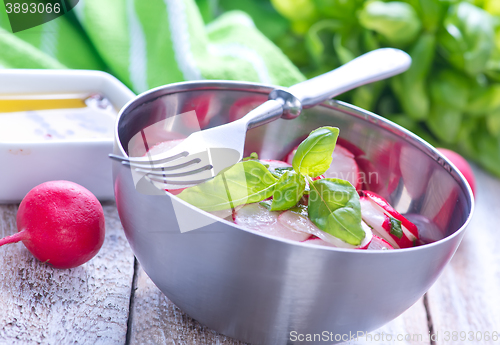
(61, 223)
(387, 208)
(378, 218)
(379, 243)
(375, 219)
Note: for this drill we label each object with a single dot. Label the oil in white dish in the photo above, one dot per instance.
(92, 120)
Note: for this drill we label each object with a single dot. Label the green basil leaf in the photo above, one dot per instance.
(288, 191)
(314, 154)
(243, 183)
(334, 207)
(396, 227)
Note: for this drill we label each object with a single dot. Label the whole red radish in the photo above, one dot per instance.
(461, 165)
(61, 223)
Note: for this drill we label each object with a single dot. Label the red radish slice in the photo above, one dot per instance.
(343, 166)
(392, 212)
(257, 217)
(374, 218)
(378, 243)
(300, 222)
(378, 219)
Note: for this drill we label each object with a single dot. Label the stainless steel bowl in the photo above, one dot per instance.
(260, 289)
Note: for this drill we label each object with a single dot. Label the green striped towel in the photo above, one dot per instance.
(149, 43)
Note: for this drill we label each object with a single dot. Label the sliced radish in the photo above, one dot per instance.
(257, 217)
(379, 243)
(379, 219)
(299, 222)
(392, 212)
(343, 166)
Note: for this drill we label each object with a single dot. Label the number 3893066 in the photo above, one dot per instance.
(25, 7)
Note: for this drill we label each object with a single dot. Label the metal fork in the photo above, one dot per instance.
(205, 153)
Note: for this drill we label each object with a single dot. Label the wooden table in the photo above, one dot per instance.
(110, 300)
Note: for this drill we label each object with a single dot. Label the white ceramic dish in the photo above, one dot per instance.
(27, 164)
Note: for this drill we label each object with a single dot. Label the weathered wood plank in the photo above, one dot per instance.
(156, 320)
(467, 295)
(409, 328)
(88, 304)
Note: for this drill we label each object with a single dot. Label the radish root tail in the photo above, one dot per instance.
(12, 239)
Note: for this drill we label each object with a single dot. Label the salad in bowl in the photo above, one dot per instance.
(313, 196)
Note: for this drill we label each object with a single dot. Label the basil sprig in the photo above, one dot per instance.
(333, 203)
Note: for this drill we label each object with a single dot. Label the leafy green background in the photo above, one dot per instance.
(451, 94)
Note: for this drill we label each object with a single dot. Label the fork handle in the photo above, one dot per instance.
(373, 66)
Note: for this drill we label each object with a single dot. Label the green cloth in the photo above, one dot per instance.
(149, 43)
